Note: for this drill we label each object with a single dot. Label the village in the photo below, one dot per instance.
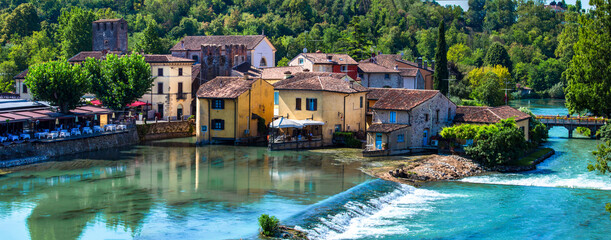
(231, 90)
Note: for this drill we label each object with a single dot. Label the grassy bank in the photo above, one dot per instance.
(531, 158)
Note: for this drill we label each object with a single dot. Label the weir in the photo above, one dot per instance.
(572, 123)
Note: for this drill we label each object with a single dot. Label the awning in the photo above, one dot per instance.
(138, 104)
(285, 123)
(308, 122)
(96, 102)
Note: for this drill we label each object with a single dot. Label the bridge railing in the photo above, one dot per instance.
(548, 119)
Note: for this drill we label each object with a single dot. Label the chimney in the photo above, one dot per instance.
(287, 75)
(433, 65)
(396, 67)
(306, 70)
(329, 58)
(419, 61)
(426, 64)
(182, 44)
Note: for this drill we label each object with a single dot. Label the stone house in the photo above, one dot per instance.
(404, 120)
(327, 62)
(339, 103)
(109, 35)
(415, 74)
(378, 76)
(275, 74)
(231, 109)
(492, 115)
(260, 52)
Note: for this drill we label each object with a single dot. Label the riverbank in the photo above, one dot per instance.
(427, 168)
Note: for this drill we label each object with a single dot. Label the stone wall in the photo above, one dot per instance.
(28, 153)
(165, 130)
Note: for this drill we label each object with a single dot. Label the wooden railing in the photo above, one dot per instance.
(562, 120)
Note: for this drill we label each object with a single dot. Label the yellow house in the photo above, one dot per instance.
(233, 109)
(335, 100)
(492, 115)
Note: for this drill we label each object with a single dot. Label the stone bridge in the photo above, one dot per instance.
(571, 123)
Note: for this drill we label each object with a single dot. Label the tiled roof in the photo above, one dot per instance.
(245, 69)
(224, 87)
(22, 74)
(385, 127)
(390, 60)
(329, 84)
(376, 93)
(165, 58)
(323, 58)
(471, 114)
(109, 20)
(403, 99)
(409, 72)
(368, 67)
(278, 72)
(194, 43)
(82, 56)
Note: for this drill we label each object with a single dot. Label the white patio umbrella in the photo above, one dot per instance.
(309, 122)
(285, 123)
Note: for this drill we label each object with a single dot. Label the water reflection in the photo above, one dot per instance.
(148, 190)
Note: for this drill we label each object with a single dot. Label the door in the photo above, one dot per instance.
(159, 111)
(378, 141)
(179, 112)
(425, 138)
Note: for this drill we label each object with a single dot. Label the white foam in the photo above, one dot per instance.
(585, 180)
(377, 216)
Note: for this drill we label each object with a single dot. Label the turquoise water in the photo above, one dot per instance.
(173, 190)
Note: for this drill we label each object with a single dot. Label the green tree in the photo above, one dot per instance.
(58, 83)
(476, 14)
(150, 41)
(589, 72)
(269, 225)
(441, 59)
(119, 81)
(21, 22)
(497, 55)
(458, 52)
(283, 62)
(75, 31)
(489, 92)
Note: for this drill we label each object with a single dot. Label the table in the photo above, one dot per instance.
(64, 134)
(40, 135)
(2, 139)
(13, 137)
(25, 136)
(75, 131)
(121, 127)
(110, 127)
(52, 134)
(97, 129)
(87, 130)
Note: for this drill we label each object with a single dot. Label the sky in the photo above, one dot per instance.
(465, 3)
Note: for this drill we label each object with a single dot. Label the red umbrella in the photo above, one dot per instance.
(137, 104)
(96, 102)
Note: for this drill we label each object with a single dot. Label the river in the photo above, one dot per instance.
(173, 190)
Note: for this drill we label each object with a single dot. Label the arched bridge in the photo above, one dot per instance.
(571, 123)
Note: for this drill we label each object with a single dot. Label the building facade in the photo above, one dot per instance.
(233, 109)
(109, 35)
(414, 74)
(327, 62)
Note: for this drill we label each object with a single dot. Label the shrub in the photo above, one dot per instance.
(268, 224)
(584, 131)
(498, 146)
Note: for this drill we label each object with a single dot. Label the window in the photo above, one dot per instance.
(338, 128)
(393, 117)
(311, 104)
(297, 103)
(449, 114)
(160, 88)
(387, 76)
(301, 61)
(426, 117)
(195, 57)
(159, 71)
(344, 68)
(400, 138)
(179, 71)
(25, 88)
(180, 88)
(112, 26)
(218, 104)
(218, 124)
(437, 116)
(361, 102)
(360, 76)
(263, 62)
(276, 98)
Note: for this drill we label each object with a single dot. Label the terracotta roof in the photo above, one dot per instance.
(471, 114)
(278, 72)
(224, 87)
(368, 67)
(194, 43)
(409, 72)
(245, 69)
(403, 99)
(22, 74)
(165, 58)
(318, 83)
(109, 20)
(385, 127)
(82, 56)
(376, 93)
(390, 60)
(322, 58)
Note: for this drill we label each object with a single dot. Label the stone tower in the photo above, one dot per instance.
(219, 60)
(110, 35)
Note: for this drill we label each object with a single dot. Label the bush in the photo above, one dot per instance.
(584, 131)
(556, 91)
(269, 225)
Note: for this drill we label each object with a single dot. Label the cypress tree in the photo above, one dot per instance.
(441, 61)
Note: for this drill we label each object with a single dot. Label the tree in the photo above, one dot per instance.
(21, 22)
(489, 92)
(476, 14)
(497, 55)
(59, 83)
(441, 59)
(75, 31)
(119, 81)
(458, 52)
(589, 72)
(283, 62)
(150, 41)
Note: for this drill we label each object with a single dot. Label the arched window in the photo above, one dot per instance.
(263, 62)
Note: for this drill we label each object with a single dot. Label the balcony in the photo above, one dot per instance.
(180, 96)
